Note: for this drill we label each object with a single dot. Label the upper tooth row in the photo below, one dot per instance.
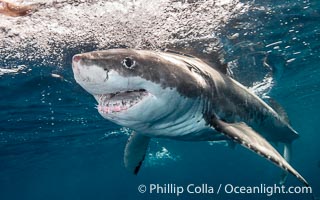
(118, 103)
(128, 91)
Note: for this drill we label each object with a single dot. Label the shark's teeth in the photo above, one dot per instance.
(120, 101)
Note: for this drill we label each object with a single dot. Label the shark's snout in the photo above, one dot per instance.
(76, 58)
(88, 74)
(75, 62)
(114, 92)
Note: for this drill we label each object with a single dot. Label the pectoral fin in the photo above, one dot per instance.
(247, 137)
(135, 152)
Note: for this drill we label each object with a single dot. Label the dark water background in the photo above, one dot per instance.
(54, 144)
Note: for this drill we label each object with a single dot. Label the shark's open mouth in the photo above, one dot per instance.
(119, 101)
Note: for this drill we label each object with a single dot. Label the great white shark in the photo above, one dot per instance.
(173, 95)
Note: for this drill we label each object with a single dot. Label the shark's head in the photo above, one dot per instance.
(135, 88)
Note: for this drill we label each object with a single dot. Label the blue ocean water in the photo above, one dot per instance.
(54, 144)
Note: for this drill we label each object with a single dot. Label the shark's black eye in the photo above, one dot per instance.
(128, 63)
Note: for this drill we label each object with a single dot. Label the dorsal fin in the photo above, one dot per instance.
(279, 109)
(196, 49)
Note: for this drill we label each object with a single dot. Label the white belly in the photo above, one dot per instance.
(189, 126)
